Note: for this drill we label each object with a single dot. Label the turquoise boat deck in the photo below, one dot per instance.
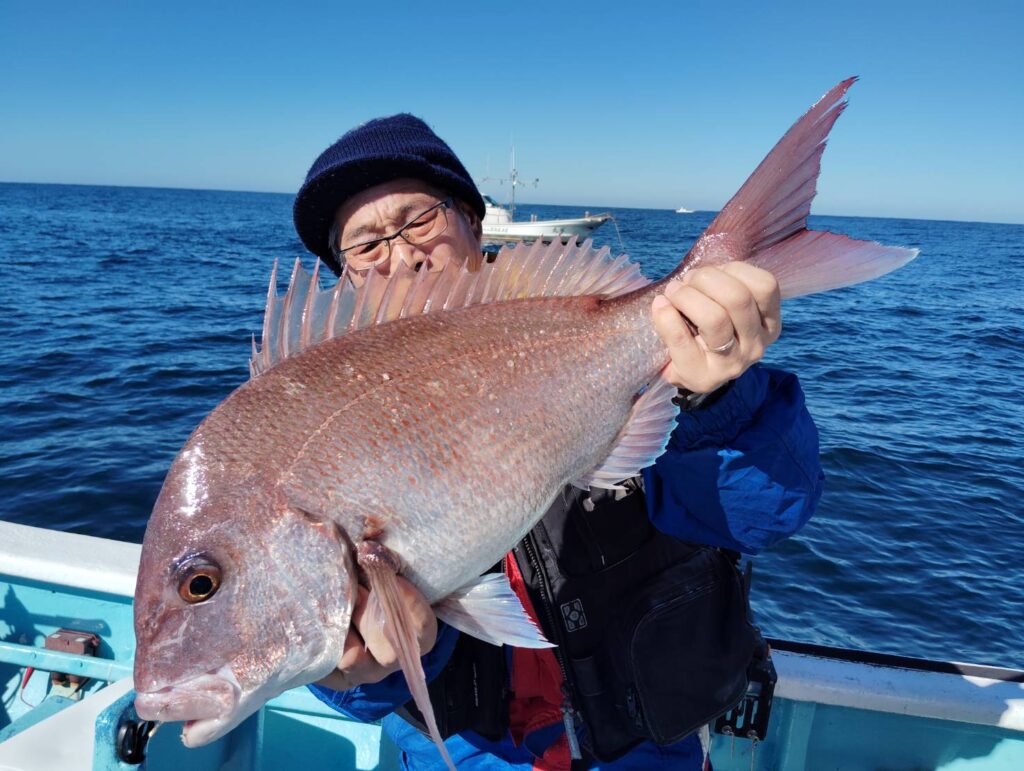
(830, 712)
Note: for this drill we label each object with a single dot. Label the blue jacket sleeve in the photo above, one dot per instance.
(743, 473)
(375, 700)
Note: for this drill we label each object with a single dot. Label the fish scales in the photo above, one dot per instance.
(459, 452)
(447, 433)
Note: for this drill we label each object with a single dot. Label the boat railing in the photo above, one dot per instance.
(56, 579)
(68, 559)
(878, 682)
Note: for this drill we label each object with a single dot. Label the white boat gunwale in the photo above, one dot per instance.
(69, 559)
(989, 696)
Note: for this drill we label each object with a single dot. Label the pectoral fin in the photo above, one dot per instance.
(489, 610)
(381, 570)
(642, 440)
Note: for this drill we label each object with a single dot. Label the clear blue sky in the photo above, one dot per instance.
(609, 104)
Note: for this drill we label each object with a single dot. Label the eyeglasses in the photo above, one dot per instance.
(420, 230)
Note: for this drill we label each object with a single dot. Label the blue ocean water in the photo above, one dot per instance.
(128, 312)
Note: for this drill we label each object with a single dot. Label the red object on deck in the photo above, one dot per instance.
(71, 641)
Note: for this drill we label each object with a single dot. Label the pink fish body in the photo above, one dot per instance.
(437, 415)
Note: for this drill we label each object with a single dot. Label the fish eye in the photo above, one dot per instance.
(198, 580)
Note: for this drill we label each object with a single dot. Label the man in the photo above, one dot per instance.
(741, 472)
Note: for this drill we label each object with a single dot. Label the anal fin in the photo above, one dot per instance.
(381, 570)
(642, 440)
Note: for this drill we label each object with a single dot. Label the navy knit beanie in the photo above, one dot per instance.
(377, 151)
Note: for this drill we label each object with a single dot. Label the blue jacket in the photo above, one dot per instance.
(742, 474)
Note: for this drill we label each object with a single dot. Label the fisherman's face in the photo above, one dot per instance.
(384, 209)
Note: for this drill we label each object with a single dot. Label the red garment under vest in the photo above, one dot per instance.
(537, 687)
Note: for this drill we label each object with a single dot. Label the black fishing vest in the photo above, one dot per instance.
(654, 635)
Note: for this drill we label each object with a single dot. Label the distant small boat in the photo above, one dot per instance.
(684, 210)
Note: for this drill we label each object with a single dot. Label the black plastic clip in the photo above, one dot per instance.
(132, 738)
(749, 718)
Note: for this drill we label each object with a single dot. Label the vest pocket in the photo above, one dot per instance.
(689, 643)
(600, 699)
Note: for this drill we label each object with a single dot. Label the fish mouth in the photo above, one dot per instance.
(208, 704)
(196, 733)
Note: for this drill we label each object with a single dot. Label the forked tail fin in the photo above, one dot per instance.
(765, 223)
(816, 261)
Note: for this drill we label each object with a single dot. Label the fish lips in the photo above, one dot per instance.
(208, 703)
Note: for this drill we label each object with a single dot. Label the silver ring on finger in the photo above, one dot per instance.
(725, 348)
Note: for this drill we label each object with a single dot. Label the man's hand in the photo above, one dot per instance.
(736, 311)
(368, 656)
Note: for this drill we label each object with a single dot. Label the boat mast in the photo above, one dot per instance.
(515, 182)
(513, 179)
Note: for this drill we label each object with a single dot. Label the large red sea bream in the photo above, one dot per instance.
(422, 426)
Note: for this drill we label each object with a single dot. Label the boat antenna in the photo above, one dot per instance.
(515, 181)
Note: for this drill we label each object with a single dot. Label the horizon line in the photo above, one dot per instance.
(528, 203)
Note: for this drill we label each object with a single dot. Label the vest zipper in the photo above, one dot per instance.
(568, 709)
(570, 730)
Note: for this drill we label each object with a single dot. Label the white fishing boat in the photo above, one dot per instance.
(684, 210)
(500, 225)
(66, 648)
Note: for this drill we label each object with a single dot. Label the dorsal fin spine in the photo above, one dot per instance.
(554, 257)
(438, 298)
(456, 298)
(362, 298)
(506, 285)
(475, 291)
(268, 316)
(413, 302)
(555, 279)
(590, 277)
(597, 279)
(479, 289)
(254, 359)
(345, 311)
(281, 348)
(292, 309)
(503, 286)
(539, 255)
(308, 311)
(307, 315)
(384, 309)
(332, 313)
(602, 281)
